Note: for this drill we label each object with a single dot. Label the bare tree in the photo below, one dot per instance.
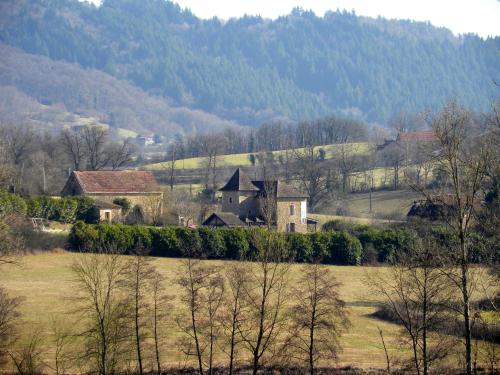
(318, 317)
(119, 154)
(27, 356)
(9, 322)
(465, 159)
(102, 308)
(417, 294)
(311, 174)
(202, 291)
(172, 159)
(347, 162)
(73, 146)
(264, 297)
(95, 139)
(62, 339)
(236, 277)
(138, 285)
(159, 311)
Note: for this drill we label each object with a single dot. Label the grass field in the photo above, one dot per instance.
(45, 281)
(386, 204)
(242, 160)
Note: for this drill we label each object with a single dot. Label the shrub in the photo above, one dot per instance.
(86, 210)
(189, 242)
(11, 204)
(300, 247)
(236, 243)
(124, 203)
(212, 243)
(164, 242)
(141, 236)
(344, 249)
(320, 246)
(84, 237)
(116, 237)
(65, 209)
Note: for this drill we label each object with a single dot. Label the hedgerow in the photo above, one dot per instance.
(332, 247)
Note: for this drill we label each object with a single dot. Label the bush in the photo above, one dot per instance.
(117, 237)
(65, 210)
(236, 243)
(86, 210)
(320, 246)
(164, 242)
(11, 204)
(300, 247)
(344, 249)
(189, 242)
(124, 203)
(84, 237)
(212, 243)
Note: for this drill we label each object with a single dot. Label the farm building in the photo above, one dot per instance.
(140, 188)
(246, 203)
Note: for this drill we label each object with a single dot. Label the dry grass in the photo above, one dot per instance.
(242, 160)
(45, 280)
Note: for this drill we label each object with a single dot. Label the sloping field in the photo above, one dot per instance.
(45, 281)
(242, 160)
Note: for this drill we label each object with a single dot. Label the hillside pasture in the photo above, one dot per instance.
(45, 282)
(243, 160)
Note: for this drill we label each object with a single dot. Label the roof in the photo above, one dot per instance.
(228, 218)
(127, 181)
(239, 181)
(422, 136)
(281, 189)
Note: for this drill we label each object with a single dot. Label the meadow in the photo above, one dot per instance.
(243, 160)
(45, 282)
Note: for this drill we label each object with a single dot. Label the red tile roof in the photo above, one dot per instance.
(422, 136)
(117, 181)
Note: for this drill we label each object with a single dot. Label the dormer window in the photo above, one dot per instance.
(292, 209)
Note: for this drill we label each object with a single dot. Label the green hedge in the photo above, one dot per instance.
(11, 204)
(65, 210)
(333, 247)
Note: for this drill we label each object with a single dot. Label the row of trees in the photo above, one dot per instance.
(38, 162)
(248, 315)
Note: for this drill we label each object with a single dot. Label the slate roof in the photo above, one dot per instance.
(281, 189)
(239, 181)
(227, 218)
(127, 181)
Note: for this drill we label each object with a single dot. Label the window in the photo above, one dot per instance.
(291, 209)
(230, 200)
(291, 227)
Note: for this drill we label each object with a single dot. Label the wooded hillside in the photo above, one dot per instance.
(251, 69)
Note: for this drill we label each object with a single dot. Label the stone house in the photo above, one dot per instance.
(247, 203)
(140, 188)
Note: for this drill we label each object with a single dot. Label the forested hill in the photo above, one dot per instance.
(253, 69)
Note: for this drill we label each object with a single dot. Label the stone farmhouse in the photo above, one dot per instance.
(140, 188)
(254, 203)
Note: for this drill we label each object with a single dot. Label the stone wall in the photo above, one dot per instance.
(150, 203)
(283, 215)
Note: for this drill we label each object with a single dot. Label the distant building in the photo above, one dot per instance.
(140, 188)
(253, 203)
(144, 141)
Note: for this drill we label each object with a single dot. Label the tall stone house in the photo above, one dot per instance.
(140, 188)
(256, 203)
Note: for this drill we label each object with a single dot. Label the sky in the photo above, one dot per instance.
(461, 16)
